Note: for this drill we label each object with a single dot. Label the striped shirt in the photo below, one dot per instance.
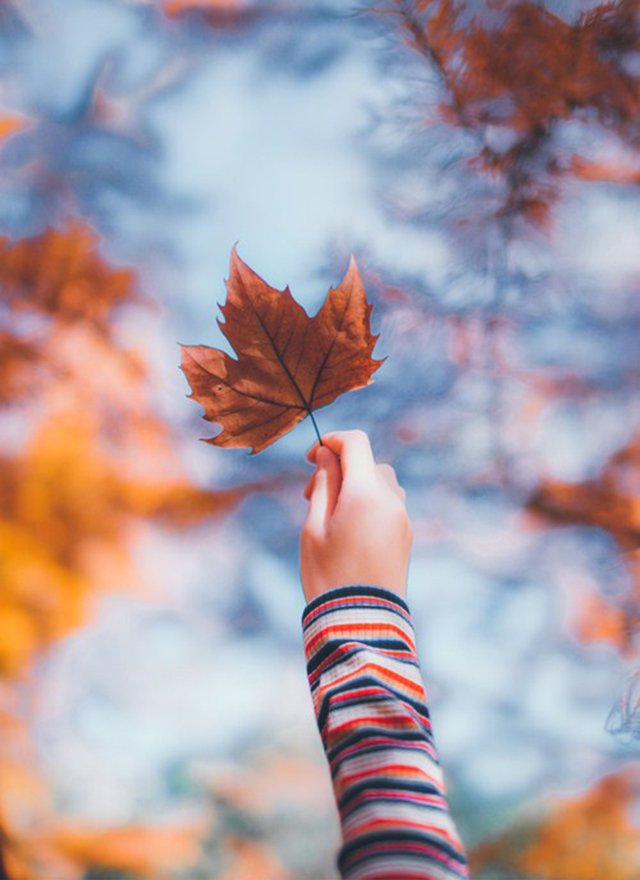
(370, 706)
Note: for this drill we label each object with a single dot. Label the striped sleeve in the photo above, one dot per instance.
(371, 711)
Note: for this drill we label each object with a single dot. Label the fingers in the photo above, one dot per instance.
(334, 480)
(354, 449)
(356, 460)
(308, 487)
(388, 474)
(323, 491)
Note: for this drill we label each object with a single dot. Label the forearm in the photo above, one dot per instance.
(370, 707)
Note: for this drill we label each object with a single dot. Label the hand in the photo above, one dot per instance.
(357, 530)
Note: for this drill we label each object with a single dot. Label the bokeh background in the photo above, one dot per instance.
(481, 161)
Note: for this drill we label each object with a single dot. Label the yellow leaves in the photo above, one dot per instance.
(62, 489)
(66, 850)
(69, 512)
(57, 500)
(179, 504)
(18, 639)
(23, 792)
(142, 850)
(95, 468)
(98, 462)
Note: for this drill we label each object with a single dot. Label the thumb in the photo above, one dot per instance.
(324, 491)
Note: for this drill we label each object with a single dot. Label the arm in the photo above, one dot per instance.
(363, 673)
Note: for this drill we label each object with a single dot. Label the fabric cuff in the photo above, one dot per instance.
(359, 612)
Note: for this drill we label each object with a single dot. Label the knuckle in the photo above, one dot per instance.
(355, 436)
(308, 534)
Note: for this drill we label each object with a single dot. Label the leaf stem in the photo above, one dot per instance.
(316, 428)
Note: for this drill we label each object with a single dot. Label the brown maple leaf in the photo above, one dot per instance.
(288, 363)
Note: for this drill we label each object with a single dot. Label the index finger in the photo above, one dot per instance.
(354, 449)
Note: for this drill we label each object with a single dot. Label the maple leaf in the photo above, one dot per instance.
(288, 363)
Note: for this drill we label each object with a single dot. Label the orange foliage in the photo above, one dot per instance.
(10, 124)
(96, 462)
(23, 793)
(516, 69)
(66, 850)
(61, 273)
(60, 507)
(590, 836)
(611, 501)
(55, 284)
(548, 68)
(611, 172)
(98, 458)
(58, 502)
(216, 13)
(19, 358)
(175, 7)
(593, 835)
(602, 621)
(67, 519)
(250, 859)
(145, 851)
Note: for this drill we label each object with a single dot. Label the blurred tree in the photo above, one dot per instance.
(502, 96)
(510, 111)
(98, 463)
(513, 73)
